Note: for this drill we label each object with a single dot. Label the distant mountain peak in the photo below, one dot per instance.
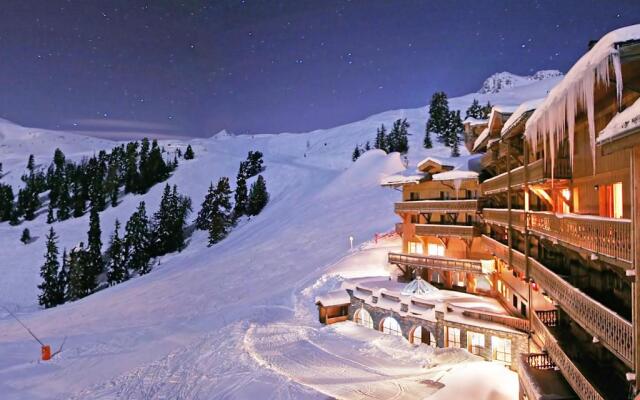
(505, 80)
(222, 134)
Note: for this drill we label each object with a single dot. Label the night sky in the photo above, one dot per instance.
(195, 67)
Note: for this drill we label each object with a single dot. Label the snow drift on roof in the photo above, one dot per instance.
(334, 298)
(430, 159)
(560, 107)
(519, 112)
(475, 121)
(401, 179)
(455, 174)
(621, 123)
(481, 138)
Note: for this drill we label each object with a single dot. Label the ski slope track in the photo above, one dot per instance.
(236, 320)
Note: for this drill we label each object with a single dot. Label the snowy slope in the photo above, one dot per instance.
(188, 329)
(506, 80)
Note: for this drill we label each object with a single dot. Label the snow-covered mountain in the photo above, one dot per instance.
(505, 80)
(205, 322)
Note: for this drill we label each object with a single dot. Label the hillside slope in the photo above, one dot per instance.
(179, 332)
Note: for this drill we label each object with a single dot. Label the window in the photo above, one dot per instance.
(415, 219)
(457, 278)
(515, 301)
(523, 308)
(415, 248)
(391, 327)
(453, 337)
(414, 196)
(434, 249)
(501, 349)
(475, 342)
(610, 199)
(363, 318)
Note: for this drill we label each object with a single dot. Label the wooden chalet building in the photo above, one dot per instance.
(549, 227)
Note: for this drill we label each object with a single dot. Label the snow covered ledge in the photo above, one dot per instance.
(560, 108)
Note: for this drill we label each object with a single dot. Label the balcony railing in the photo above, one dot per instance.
(536, 172)
(610, 237)
(571, 373)
(502, 252)
(545, 382)
(613, 331)
(449, 264)
(520, 324)
(427, 206)
(466, 231)
(500, 216)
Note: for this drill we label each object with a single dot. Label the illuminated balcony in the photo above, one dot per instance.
(540, 378)
(536, 174)
(442, 263)
(500, 216)
(439, 206)
(462, 231)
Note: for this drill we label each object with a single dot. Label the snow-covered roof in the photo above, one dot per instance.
(577, 89)
(334, 298)
(455, 174)
(403, 178)
(499, 109)
(621, 123)
(519, 113)
(480, 139)
(475, 121)
(433, 161)
(419, 287)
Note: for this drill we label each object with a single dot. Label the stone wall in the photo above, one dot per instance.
(519, 340)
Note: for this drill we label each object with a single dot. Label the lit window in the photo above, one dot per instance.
(566, 195)
(475, 342)
(501, 349)
(434, 249)
(391, 327)
(415, 248)
(610, 199)
(453, 337)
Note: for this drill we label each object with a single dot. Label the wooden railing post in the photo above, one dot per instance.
(635, 234)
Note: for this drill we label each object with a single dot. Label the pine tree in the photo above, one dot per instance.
(188, 154)
(117, 265)
(136, 240)
(240, 197)
(206, 210)
(50, 215)
(112, 184)
(356, 153)
(81, 281)
(63, 278)
(49, 273)
(438, 116)
(26, 236)
(486, 110)
(367, 146)
(221, 218)
(254, 164)
(64, 202)
(31, 163)
(94, 246)
(454, 131)
(131, 176)
(77, 200)
(6, 202)
(474, 110)
(381, 139)
(258, 196)
(428, 144)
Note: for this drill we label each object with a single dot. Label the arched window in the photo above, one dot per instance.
(391, 327)
(363, 318)
(423, 336)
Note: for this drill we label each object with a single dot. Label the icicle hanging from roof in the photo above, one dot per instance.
(555, 117)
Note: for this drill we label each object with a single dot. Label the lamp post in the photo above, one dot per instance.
(351, 242)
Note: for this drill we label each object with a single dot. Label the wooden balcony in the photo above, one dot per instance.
(540, 380)
(613, 331)
(500, 216)
(501, 251)
(463, 231)
(536, 173)
(609, 237)
(440, 206)
(578, 382)
(520, 324)
(443, 263)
